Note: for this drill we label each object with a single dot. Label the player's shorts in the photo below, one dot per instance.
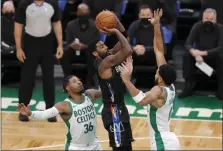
(116, 121)
(94, 146)
(125, 135)
(165, 141)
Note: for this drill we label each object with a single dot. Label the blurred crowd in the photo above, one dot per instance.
(199, 21)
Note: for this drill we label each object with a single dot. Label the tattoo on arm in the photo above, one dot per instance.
(115, 49)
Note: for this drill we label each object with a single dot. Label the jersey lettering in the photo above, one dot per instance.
(85, 114)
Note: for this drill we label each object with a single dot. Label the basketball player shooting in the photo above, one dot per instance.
(77, 112)
(160, 98)
(115, 115)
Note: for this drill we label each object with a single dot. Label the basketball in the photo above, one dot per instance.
(105, 19)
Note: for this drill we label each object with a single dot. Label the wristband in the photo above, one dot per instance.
(139, 97)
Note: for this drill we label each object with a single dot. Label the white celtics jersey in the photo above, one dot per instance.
(82, 123)
(158, 118)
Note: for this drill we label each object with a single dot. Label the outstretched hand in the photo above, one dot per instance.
(157, 15)
(129, 63)
(24, 110)
(125, 69)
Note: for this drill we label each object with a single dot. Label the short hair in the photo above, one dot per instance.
(144, 7)
(168, 74)
(210, 10)
(66, 81)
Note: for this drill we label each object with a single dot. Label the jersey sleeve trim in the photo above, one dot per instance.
(57, 13)
(20, 14)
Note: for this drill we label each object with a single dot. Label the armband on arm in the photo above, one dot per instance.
(43, 115)
(139, 97)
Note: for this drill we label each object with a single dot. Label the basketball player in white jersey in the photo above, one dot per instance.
(160, 98)
(77, 112)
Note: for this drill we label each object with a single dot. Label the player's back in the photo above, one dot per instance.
(158, 120)
(82, 123)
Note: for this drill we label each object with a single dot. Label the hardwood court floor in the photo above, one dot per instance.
(42, 135)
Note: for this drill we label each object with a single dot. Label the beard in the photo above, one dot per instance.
(104, 55)
(82, 91)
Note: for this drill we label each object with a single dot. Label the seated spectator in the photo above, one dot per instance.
(81, 37)
(69, 12)
(141, 35)
(7, 28)
(168, 21)
(204, 44)
(217, 5)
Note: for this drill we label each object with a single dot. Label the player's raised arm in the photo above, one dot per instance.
(94, 94)
(58, 108)
(155, 96)
(158, 39)
(118, 47)
(120, 56)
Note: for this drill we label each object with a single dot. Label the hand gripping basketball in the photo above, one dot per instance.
(106, 19)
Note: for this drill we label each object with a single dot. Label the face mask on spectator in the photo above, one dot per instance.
(9, 16)
(208, 26)
(144, 21)
(84, 19)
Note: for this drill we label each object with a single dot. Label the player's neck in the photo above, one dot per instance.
(161, 84)
(77, 98)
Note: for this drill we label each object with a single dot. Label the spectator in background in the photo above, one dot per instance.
(82, 29)
(205, 44)
(15, 2)
(41, 19)
(69, 13)
(96, 6)
(141, 34)
(168, 21)
(168, 7)
(217, 5)
(7, 28)
(130, 13)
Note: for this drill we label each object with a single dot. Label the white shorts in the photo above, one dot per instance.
(168, 141)
(94, 146)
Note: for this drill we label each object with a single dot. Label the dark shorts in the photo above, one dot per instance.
(120, 132)
(125, 135)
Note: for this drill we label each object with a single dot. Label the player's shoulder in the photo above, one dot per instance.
(157, 88)
(66, 102)
(89, 94)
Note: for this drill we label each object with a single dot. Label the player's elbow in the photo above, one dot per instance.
(113, 62)
(128, 51)
(145, 101)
